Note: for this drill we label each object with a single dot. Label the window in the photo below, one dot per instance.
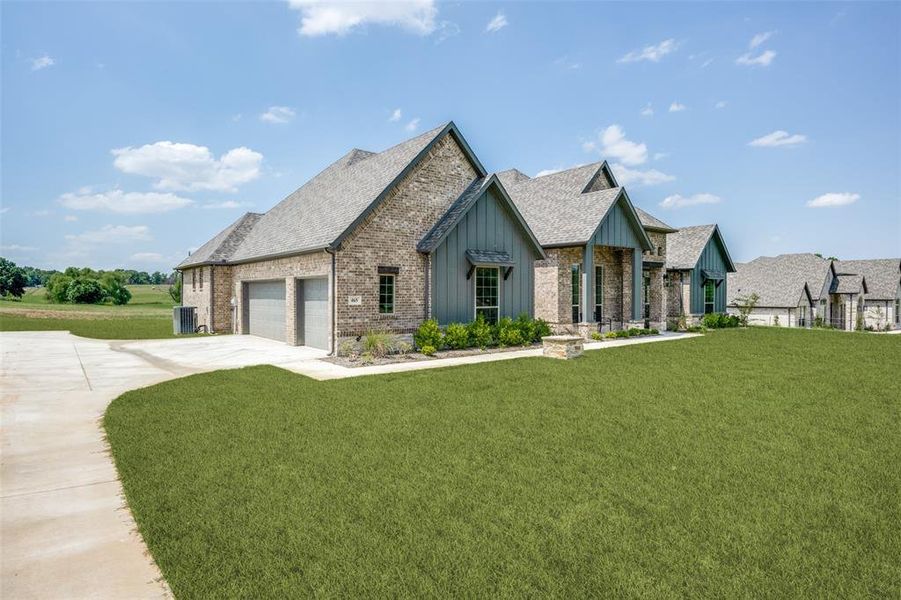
(659, 250)
(577, 293)
(487, 295)
(646, 295)
(193, 280)
(599, 293)
(802, 316)
(709, 296)
(386, 294)
(897, 310)
(201, 279)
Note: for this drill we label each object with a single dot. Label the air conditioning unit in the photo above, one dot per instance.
(184, 319)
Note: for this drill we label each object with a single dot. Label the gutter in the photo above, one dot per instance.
(334, 316)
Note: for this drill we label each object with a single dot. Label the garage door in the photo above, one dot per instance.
(314, 313)
(266, 309)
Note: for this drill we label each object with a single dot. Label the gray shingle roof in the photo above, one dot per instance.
(321, 210)
(847, 283)
(882, 274)
(684, 247)
(649, 221)
(223, 244)
(779, 280)
(555, 207)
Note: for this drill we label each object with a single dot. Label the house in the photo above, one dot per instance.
(833, 297)
(376, 241)
(788, 288)
(697, 265)
(593, 276)
(882, 305)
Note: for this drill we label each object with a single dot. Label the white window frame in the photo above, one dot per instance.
(475, 294)
(193, 280)
(713, 303)
(599, 286)
(576, 306)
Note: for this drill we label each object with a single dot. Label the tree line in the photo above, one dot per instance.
(79, 285)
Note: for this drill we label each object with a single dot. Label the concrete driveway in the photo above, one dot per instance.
(65, 530)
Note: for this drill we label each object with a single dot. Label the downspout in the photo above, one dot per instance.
(427, 307)
(332, 338)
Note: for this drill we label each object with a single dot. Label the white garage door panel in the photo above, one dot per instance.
(315, 313)
(266, 309)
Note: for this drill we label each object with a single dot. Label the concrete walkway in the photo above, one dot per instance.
(65, 531)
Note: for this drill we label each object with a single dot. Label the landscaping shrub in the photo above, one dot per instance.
(629, 333)
(347, 348)
(428, 334)
(480, 333)
(57, 286)
(428, 350)
(720, 321)
(509, 333)
(456, 336)
(84, 291)
(378, 343)
(532, 330)
(403, 348)
(597, 336)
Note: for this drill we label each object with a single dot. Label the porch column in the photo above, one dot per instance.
(636, 284)
(588, 283)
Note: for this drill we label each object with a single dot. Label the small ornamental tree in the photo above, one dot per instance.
(12, 279)
(746, 306)
(175, 290)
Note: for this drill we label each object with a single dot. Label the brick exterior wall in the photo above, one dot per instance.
(197, 294)
(388, 237)
(553, 289)
(678, 295)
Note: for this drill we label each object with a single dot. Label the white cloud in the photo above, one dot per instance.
(547, 172)
(226, 204)
(445, 30)
(778, 138)
(652, 53)
(627, 176)
(720, 104)
(589, 146)
(178, 166)
(497, 23)
(149, 257)
(614, 145)
(760, 38)
(42, 62)
(117, 201)
(677, 107)
(660, 155)
(833, 199)
(113, 234)
(413, 125)
(761, 60)
(331, 17)
(278, 114)
(680, 201)
(647, 111)
(70, 218)
(395, 116)
(16, 248)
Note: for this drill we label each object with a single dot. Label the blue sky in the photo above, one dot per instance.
(132, 132)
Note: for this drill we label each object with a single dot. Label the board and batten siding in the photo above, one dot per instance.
(712, 259)
(488, 225)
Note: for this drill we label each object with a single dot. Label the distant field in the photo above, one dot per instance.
(146, 300)
(147, 316)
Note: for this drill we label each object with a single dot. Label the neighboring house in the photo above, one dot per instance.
(882, 308)
(376, 241)
(697, 265)
(801, 290)
(593, 276)
(788, 288)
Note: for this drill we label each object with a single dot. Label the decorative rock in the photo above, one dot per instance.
(562, 346)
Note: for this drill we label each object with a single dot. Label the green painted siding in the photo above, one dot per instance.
(487, 226)
(713, 258)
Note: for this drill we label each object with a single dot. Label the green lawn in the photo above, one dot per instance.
(747, 463)
(148, 315)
